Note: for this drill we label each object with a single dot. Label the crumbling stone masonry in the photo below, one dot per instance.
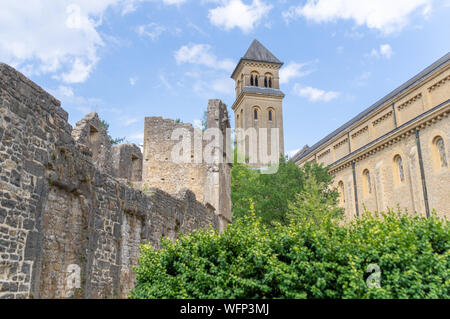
(127, 162)
(209, 181)
(61, 210)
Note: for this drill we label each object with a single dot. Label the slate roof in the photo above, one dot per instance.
(435, 66)
(259, 53)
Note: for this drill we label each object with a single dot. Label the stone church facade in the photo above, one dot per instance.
(396, 153)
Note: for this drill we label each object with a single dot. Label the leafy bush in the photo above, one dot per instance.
(302, 260)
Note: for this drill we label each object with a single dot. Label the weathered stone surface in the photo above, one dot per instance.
(208, 180)
(127, 162)
(61, 210)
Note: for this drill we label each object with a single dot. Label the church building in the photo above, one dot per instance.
(396, 153)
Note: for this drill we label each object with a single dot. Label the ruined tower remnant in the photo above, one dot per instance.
(258, 102)
(210, 182)
(91, 133)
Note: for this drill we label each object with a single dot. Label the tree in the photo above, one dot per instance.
(272, 193)
(314, 203)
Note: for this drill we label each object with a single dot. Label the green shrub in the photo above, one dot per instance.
(302, 260)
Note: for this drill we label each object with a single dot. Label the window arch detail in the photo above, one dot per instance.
(440, 152)
(341, 192)
(367, 185)
(399, 169)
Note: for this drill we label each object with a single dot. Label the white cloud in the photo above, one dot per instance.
(385, 15)
(131, 5)
(60, 38)
(56, 37)
(224, 85)
(129, 122)
(315, 95)
(292, 71)
(236, 14)
(201, 54)
(152, 30)
(385, 51)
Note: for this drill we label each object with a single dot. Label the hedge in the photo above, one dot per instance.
(330, 260)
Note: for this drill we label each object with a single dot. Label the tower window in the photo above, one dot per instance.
(251, 80)
(270, 82)
(255, 114)
(265, 81)
(256, 80)
(270, 116)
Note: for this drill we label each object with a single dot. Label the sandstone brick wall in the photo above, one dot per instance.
(61, 210)
(377, 139)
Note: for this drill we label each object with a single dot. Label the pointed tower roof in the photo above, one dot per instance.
(258, 52)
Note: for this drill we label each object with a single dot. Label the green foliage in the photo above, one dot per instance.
(113, 141)
(272, 193)
(314, 203)
(302, 260)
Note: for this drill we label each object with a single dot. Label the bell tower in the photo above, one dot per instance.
(259, 101)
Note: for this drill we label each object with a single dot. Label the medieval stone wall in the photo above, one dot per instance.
(61, 212)
(166, 169)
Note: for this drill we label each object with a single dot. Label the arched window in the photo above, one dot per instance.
(367, 182)
(341, 192)
(242, 119)
(398, 164)
(237, 121)
(440, 152)
(270, 115)
(254, 78)
(255, 114)
(268, 80)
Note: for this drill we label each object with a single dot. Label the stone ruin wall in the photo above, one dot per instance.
(211, 182)
(61, 208)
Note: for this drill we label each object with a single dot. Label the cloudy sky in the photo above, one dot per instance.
(127, 59)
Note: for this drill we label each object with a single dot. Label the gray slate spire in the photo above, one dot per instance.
(257, 52)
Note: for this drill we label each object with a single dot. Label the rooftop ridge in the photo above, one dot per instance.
(427, 71)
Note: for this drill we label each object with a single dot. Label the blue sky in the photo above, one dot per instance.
(127, 59)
